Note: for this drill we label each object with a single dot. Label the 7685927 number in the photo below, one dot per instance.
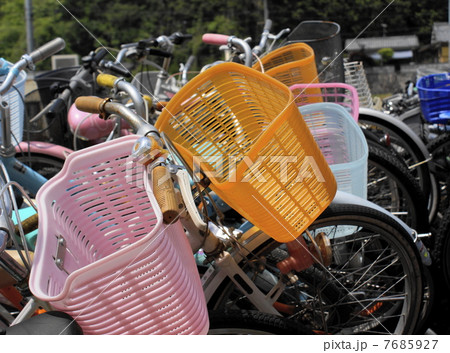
(411, 344)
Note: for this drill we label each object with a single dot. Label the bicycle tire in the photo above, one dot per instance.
(249, 322)
(45, 165)
(446, 257)
(317, 303)
(441, 251)
(440, 152)
(440, 270)
(409, 147)
(392, 186)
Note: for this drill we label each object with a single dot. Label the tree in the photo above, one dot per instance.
(386, 54)
(87, 24)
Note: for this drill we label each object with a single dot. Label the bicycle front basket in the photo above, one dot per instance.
(292, 64)
(15, 99)
(246, 133)
(103, 254)
(434, 95)
(342, 143)
(340, 93)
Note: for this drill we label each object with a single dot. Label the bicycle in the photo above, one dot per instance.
(393, 132)
(224, 264)
(56, 123)
(69, 128)
(17, 170)
(324, 37)
(15, 257)
(295, 64)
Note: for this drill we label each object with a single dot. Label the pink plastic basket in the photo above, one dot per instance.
(340, 93)
(103, 254)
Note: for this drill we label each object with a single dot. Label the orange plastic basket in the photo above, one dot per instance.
(259, 153)
(293, 64)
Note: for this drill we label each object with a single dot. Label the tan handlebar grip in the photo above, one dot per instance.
(160, 105)
(165, 193)
(106, 80)
(89, 104)
(28, 225)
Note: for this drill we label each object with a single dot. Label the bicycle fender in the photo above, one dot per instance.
(396, 125)
(346, 198)
(45, 148)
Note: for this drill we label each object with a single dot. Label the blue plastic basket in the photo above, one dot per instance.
(434, 94)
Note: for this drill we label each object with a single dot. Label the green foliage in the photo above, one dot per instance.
(88, 24)
(386, 54)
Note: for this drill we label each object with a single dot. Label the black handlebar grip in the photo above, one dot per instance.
(267, 25)
(159, 52)
(99, 55)
(145, 43)
(47, 50)
(57, 107)
(178, 37)
(116, 68)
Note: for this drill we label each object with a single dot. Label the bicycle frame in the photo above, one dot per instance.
(213, 278)
(19, 172)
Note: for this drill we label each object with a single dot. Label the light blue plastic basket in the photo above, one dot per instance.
(14, 98)
(342, 143)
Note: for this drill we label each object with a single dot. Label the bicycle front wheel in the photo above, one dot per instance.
(372, 286)
(248, 322)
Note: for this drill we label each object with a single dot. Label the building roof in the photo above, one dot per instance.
(408, 42)
(440, 32)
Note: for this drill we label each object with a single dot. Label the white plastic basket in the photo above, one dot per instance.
(356, 76)
(342, 143)
(15, 99)
(103, 254)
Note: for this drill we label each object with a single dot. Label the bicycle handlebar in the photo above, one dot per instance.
(267, 25)
(47, 50)
(98, 56)
(159, 52)
(90, 64)
(179, 38)
(163, 187)
(106, 80)
(265, 34)
(164, 192)
(28, 60)
(111, 81)
(116, 68)
(222, 39)
(146, 46)
(215, 39)
(104, 107)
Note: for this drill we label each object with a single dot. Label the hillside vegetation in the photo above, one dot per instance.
(87, 24)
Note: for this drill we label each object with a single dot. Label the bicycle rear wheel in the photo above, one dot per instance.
(408, 147)
(440, 151)
(393, 187)
(374, 284)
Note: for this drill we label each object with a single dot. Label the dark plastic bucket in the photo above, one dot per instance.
(325, 39)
